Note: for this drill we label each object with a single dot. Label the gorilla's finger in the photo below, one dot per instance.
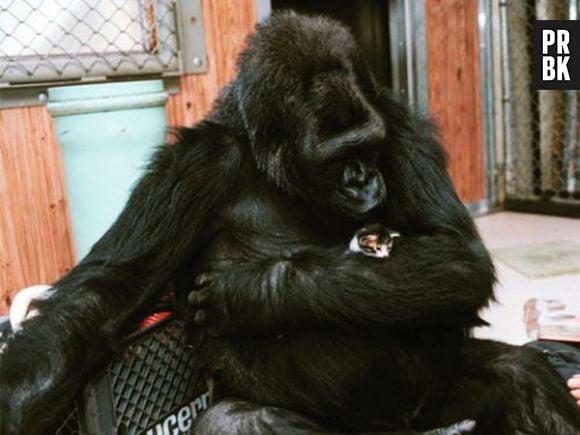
(200, 318)
(202, 279)
(192, 298)
(198, 297)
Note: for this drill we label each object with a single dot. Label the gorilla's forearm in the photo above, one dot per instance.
(439, 279)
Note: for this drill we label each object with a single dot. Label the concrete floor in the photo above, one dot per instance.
(506, 229)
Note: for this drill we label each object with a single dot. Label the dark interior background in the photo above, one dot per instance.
(368, 20)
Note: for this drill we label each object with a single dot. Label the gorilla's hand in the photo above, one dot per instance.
(32, 382)
(208, 299)
(230, 300)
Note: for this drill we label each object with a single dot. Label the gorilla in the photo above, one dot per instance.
(247, 215)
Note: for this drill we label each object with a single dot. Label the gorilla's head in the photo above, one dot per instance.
(308, 104)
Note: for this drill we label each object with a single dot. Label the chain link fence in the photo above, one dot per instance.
(53, 40)
(543, 128)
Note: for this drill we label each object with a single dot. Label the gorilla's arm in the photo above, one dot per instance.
(166, 219)
(439, 271)
(436, 279)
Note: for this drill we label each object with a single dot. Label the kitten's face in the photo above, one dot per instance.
(374, 241)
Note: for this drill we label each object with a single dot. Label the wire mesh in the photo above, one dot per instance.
(153, 377)
(543, 160)
(71, 425)
(48, 40)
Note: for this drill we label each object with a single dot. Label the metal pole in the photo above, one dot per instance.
(486, 84)
(507, 100)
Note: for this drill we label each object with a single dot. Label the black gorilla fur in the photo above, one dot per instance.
(262, 196)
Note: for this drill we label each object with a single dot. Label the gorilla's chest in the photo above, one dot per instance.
(260, 223)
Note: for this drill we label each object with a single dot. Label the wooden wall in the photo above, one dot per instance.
(454, 92)
(35, 238)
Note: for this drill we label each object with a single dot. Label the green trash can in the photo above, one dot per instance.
(107, 132)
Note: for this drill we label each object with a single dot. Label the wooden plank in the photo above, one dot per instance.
(35, 238)
(454, 91)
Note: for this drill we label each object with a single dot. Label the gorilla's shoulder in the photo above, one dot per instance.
(410, 131)
(208, 133)
(206, 144)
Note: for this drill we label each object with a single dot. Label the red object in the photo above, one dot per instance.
(154, 318)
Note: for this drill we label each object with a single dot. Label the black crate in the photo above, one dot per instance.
(151, 388)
